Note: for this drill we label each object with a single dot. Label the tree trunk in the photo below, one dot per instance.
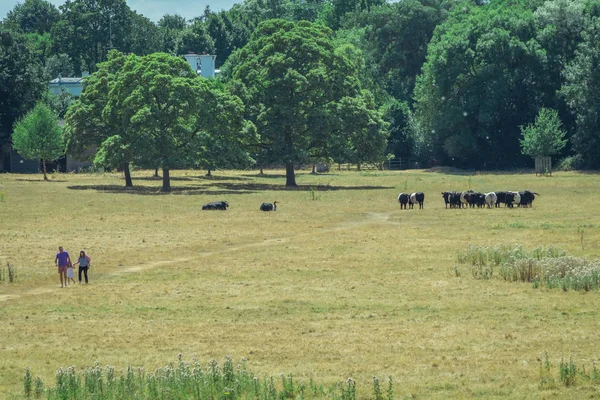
(290, 177)
(44, 170)
(166, 181)
(208, 173)
(314, 169)
(261, 171)
(358, 166)
(127, 172)
(156, 172)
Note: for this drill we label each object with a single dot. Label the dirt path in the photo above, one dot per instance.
(370, 218)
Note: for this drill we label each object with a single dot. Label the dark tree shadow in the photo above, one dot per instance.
(39, 180)
(226, 188)
(155, 190)
(471, 172)
(191, 178)
(265, 186)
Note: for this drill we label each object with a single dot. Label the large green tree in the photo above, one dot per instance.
(169, 110)
(88, 29)
(292, 79)
(395, 41)
(21, 81)
(582, 93)
(32, 16)
(37, 136)
(170, 30)
(545, 137)
(88, 126)
(480, 83)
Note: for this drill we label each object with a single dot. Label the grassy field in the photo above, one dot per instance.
(338, 283)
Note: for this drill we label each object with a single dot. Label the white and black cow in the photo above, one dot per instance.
(269, 206)
(491, 199)
(512, 198)
(527, 198)
(403, 199)
(216, 205)
(463, 198)
(417, 197)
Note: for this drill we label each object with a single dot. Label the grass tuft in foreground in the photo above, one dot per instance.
(543, 266)
(569, 374)
(185, 381)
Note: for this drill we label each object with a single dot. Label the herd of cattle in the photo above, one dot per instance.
(453, 199)
(472, 199)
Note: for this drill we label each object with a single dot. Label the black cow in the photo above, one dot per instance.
(446, 197)
(269, 206)
(417, 197)
(454, 199)
(500, 198)
(527, 198)
(216, 205)
(403, 200)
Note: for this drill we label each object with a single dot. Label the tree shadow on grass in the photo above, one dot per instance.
(39, 180)
(156, 190)
(265, 186)
(215, 178)
(223, 188)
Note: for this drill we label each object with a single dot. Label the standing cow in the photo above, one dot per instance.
(512, 198)
(491, 199)
(454, 199)
(417, 197)
(403, 199)
(463, 198)
(446, 197)
(527, 198)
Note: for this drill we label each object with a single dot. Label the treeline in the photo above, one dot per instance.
(456, 82)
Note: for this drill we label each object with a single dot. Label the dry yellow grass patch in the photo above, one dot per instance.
(344, 285)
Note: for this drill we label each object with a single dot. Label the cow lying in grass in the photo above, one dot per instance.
(216, 205)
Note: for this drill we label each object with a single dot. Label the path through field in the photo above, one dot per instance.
(370, 218)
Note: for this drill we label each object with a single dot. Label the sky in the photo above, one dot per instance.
(153, 9)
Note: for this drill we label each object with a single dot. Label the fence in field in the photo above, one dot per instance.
(543, 165)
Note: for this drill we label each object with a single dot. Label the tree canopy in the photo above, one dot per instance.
(21, 81)
(37, 136)
(545, 137)
(454, 80)
(293, 80)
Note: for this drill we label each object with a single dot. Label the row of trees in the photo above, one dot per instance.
(457, 81)
(155, 111)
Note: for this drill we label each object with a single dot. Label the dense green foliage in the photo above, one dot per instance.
(455, 80)
(304, 97)
(21, 81)
(37, 136)
(545, 137)
(153, 111)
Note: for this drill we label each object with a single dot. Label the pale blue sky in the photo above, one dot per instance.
(153, 9)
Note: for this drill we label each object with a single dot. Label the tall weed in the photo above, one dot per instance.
(185, 380)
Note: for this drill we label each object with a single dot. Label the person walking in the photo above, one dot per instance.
(70, 274)
(62, 261)
(84, 265)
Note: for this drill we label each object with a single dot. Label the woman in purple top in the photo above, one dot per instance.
(62, 261)
(84, 265)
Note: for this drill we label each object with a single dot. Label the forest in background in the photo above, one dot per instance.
(455, 80)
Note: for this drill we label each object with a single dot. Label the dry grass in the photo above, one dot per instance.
(346, 285)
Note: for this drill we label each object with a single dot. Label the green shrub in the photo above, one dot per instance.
(571, 163)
